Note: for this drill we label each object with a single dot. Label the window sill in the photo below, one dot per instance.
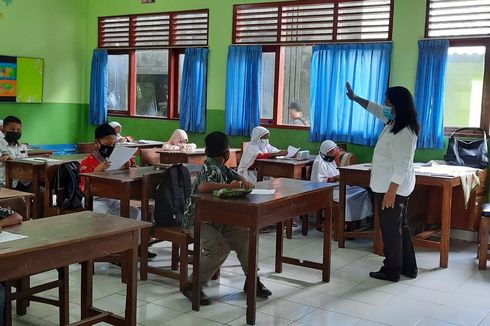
(114, 114)
(270, 125)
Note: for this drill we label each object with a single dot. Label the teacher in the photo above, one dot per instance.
(393, 178)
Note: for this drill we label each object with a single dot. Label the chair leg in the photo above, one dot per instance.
(7, 313)
(145, 238)
(484, 228)
(289, 228)
(175, 256)
(216, 275)
(184, 265)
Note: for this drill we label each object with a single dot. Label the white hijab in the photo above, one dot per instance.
(255, 147)
(322, 170)
(179, 142)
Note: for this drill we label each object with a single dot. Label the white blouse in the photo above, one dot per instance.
(392, 157)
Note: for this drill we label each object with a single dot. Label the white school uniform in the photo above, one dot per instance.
(15, 151)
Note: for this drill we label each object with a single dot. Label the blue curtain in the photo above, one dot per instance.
(99, 81)
(430, 92)
(242, 89)
(193, 90)
(333, 115)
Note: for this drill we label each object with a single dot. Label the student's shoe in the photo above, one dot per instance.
(204, 300)
(412, 274)
(382, 275)
(151, 255)
(262, 291)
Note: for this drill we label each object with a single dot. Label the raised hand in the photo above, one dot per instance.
(350, 93)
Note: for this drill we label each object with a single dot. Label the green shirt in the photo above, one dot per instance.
(212, 171)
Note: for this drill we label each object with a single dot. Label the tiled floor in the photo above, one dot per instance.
(459, 295)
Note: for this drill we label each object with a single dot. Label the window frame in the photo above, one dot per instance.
(278, 48)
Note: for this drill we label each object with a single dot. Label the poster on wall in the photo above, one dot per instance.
(21, 79)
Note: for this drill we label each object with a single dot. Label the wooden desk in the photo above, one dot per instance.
(196, 157)
(292, 197)
(282, 168)
(146, 144)
(34, 152)
(118, 184)
(33, 170)
(75, 238)
(359, 175)
(6, 193)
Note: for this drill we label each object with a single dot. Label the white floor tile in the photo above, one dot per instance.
(325, 317)
(349, 307)
(286, 309)
(456, 316)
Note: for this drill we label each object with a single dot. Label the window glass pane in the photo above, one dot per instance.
(296, 95)
(152, 82)
(118, 70)
(266, 86)
(464, 86)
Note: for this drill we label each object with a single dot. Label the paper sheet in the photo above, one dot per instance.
(120, 156)
(263, 192)
(7, 236)
(292, 151)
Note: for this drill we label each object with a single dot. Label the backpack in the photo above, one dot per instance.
(171, 195)
(67, 184)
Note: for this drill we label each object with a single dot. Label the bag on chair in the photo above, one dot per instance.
(67, 183)
(467, 152)
(171, 195)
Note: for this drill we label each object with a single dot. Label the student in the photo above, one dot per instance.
(10, 148)
(358, 202)
(105, 140)
(7, 217)
(296, 114)
(1, 129)
(258, 148)
(117, 127)
(179, 142)
(218, 240)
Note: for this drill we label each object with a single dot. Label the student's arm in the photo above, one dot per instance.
(4, 158)
(102, 166)
(211, 186)
(353, 97)
(11, 220)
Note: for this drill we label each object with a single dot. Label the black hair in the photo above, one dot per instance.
(406, 115)
(11, 119)
(216, 144)
(104, 130)
(295, 105)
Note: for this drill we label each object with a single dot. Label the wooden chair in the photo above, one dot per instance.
(51, 207)
(484, 229)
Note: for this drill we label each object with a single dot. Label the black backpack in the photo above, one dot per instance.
(171, 195)
(67, 184)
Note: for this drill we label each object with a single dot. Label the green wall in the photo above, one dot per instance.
(64, 33)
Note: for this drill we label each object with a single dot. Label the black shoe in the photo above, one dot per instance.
(151, 255)
(262, 291)
(412, 274)
(382, 275)
(204, 300)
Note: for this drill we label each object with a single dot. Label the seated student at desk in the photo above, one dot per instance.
(258, 148)
(358, 202)
(118, 128)
(179, 142)
(7, 217)
(217, 240)
(105, 141)
(10, 148)
(1, 129)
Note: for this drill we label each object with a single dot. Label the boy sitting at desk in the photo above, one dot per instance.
(217, 239)
(7, 217)
(10, 148)
(105, 141)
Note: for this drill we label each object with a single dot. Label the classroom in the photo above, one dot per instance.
(244, 162)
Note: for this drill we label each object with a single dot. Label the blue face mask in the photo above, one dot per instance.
(387, 113)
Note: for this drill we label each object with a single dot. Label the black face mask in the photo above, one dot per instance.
(106, 150)
(12, 136)
(327, 158)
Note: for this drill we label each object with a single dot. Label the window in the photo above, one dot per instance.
(287, 32)
(146, 56)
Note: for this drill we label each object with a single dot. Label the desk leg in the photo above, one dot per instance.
(131, 271)
(27, 200)
(124, 200)
(260, 173)
(89, 199)
(341, 218)
(196, 279)
(37, 195)
(279, 246)
(86, 288)
(327, 239)
(447, 194)
(145, 238)
(63, 294)
(252, 275)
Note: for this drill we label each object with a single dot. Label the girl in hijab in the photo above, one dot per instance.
(358, 202)
(179, 142)
(258, 148)
(118, 128)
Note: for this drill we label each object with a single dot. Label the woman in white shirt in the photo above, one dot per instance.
(393, 178)
(324, 169)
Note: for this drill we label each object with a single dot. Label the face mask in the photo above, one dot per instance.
(327, 158)
(387, 113)
(265, 142)
(12, 136)
(106, 150)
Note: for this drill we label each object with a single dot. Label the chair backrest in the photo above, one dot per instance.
(149, 156)
(346, 158)
(149, 184)
(17, 204)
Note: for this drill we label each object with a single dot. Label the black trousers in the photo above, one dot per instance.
(398, 247)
